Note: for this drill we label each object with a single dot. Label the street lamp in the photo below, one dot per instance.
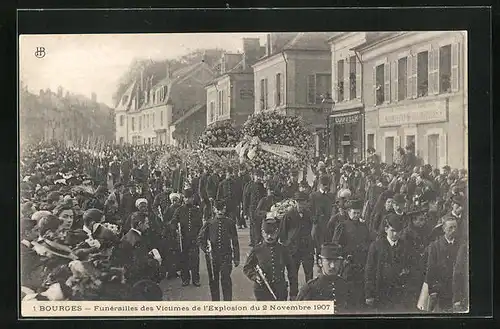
(327, 105)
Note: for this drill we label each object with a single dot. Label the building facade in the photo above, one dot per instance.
(146, 112)
(294, 78)
(230, 96)
(415, 92)
(65, 117)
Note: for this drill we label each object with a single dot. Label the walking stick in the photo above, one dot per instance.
(263, 278)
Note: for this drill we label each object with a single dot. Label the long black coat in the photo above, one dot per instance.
(439, 276)
(383, 274)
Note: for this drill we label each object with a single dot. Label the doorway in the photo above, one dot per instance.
(433, 150)
(389, 150)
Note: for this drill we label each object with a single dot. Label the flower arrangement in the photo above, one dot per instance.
(280, 209)
(275, 128)
(219, 134)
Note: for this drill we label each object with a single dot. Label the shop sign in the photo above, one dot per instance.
(246, 93)
(346, 119)
(415, 114)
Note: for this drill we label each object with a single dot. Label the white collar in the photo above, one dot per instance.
(449, 241)
(136, 231)
(392, 243)
(321, 191)
(87, 230)
(457, 216)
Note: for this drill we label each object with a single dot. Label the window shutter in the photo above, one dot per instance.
(335, 92)
(347, 81)
(311, 92)
(375, 85)
(387, 82)
(358, 79)
(409, 70)
(282, 90)
(443, 150)
(394, 81)
(430, 72)
(455, 61)
(266, 100)
(414, 75)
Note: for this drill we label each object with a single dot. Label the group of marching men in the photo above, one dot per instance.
(382, 236)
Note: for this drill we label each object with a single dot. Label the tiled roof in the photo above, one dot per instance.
(179, 74)
(309, 41)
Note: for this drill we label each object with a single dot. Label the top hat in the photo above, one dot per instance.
(331, 251)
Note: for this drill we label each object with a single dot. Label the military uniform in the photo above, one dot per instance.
(327, 286)
(221, 232)
(273, 259)
(190, 218)
(226, 191)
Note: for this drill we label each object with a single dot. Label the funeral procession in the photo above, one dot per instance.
(312, 166)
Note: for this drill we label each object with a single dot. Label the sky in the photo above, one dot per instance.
(86, 63)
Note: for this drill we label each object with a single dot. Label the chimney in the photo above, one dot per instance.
(94, 97)
(251, 50)
(59, 92)
(142, 79)
(168, 70)
(268, 45)
(42, 93)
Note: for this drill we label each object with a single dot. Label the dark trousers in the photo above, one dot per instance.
(318, 234)
(240, 218)
(220, 273)
(190, 263)
(262, 293)
(255, 229)
(306, 258)
(126, 177)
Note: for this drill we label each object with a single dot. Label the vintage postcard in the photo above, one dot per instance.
(207, 174)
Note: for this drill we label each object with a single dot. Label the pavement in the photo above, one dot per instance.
(242, 286)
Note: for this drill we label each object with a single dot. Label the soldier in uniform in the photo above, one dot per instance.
(271, 257)
(218, 236)
(190, 218)
(226, 192)
(295, 234)
(329, 285)
(255, 191)
(202, 192)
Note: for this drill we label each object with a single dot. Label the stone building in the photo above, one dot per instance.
(294, 78)
(415, 92)
(146, 112)
(230, 96)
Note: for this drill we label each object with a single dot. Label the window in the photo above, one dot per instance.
(423, 74)
(402, 78)
(147, 121)
(319, 87)
(133, 124)
(220, 105)
(352, 77)
(153, 120)
(140, 123)
(410, 140)
(122, 120)
(379, 84)
(223, 102)
(340, 80)
(445, 69)
(278, 89)
(212, 112)
(263, 94)
(370, 141)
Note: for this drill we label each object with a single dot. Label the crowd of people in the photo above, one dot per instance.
(112, 226)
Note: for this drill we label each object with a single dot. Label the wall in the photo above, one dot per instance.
(241, 105)
(269, 68)
(452, 128)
